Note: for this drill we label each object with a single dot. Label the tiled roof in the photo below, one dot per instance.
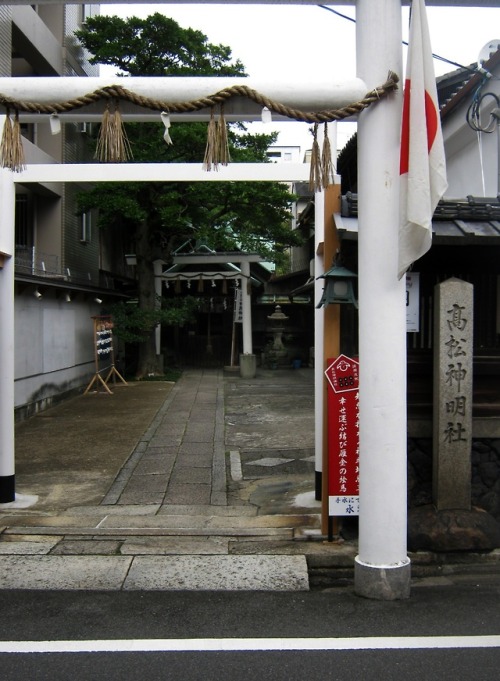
(458, 85)
(451, 83)
(467, 218)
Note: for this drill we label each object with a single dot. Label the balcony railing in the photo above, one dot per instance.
(30, 262)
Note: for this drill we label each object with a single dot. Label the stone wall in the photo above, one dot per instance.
(485, 463)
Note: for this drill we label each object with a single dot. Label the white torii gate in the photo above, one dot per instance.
(382, 567)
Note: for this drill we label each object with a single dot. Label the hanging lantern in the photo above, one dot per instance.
(338, 287)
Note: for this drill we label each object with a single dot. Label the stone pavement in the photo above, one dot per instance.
(163, 508)
(207, 483)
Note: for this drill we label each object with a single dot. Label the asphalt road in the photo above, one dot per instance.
(183, 636)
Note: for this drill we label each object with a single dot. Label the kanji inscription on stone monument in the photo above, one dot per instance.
(453, 354)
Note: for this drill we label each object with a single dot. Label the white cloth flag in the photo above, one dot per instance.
(423, 165)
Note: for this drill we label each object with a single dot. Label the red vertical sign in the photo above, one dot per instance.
(342, 374)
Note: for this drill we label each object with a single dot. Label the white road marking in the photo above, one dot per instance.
(249, 644)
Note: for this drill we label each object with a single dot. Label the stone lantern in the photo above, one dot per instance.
(275, 353)
(277, 319)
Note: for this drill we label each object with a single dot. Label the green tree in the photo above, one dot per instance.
(252, 216)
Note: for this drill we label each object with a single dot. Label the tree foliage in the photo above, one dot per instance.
(155, 46)
(251, 216)
(134, 325)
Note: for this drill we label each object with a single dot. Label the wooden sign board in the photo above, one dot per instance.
(104, 354)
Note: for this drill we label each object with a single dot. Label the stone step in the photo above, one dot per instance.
(137, 524)
(78, 531)
(171, 509)
(168, 573)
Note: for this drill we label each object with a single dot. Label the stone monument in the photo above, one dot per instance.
(450, 523)
(452, 422)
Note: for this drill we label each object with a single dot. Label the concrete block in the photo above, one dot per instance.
(39, 547)
(86, 547)
(118, 509)
(207, 510)
(155, 465)
(63, 572)
(186, 494)
(172, 546)
(218, 573)
(382, 582)
(186, 476)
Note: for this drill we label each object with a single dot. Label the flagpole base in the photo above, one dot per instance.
(382, 582)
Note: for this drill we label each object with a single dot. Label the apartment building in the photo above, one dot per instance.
(62, 274)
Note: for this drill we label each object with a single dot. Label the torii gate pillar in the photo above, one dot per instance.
(7, 201)
(382, 568)
(246, 305)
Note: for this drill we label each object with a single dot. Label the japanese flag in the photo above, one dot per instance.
(422, 162)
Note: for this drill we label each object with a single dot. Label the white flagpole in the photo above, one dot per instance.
(382, 568)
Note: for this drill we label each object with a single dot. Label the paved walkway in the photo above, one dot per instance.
(165, 520)
(202, 484)
(180, 459)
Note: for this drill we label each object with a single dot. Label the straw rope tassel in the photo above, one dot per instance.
(222, 140)
(18, 160)
(6, 145)
(101, 152)
(11, 148)
(315, 175)
(200, 284)
(123, 148)
(327, 167)
(113, 145)
(211, 148)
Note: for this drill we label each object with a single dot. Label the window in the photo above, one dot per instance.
(88, 11)
(86, 227)
(23, 221)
